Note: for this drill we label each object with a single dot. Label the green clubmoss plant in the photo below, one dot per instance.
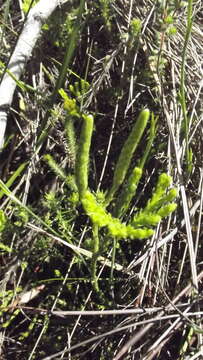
(156, 208)
(96, 205)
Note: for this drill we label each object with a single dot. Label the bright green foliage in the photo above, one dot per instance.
(82, 158)
(26, 4)
(94, 210)
(166, 210)
(6, 297)
(56, 168)
(169, 19)
(128, 192)
(22, 216)
(135, 26)
(127, 152)
(164, 182)
(69, 104)
(60, 211)
(13, 177)
(159, 206)
(150, 216)
(31, 326)
(172, 30)
(99, 216)
(79, 88)
(120, 231)
(146, 219)
(152, 133)
(70, 136)
(5, 248)
(69, 179)
(2, 220)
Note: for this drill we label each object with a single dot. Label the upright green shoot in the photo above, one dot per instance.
(82, 157)
(127, 153)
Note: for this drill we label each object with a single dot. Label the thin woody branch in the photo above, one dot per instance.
(23, 50)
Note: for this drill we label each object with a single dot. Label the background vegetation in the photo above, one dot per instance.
(112, 59)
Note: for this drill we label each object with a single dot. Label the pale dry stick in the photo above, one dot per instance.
(184, 201)
(197, 356)
(164, 252)
(182, 264)
(147, 264)
(196, 127)
(125, 47)
(190, 242)
(21, 10)
(116, 106)
(200, 191)
(100, 313)
(170, 249)
(140, 311)
(197, 97)
(150, 323)
(180, 177)
(174, 111)
(169, 259)
(21, 54)
(130, 94)
(134, 339)
(75, 326)
(109, 144)
(106, 62)
(164, 338)
(160, 272)
(87, 299)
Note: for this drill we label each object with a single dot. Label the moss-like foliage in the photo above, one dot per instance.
(127, 152)
(82, 158)
(101, 217)
(140, 225)
(159, 206)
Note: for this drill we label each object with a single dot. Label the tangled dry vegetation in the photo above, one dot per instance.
(129, 54)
